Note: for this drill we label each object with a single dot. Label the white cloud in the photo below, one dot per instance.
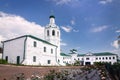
(12, 26)
(63, 44)
(105, 1)
(115, 44)
(100, 29)
(75, 30)
(72, 22)
(118, 31)
(67, 28)
(66, 2)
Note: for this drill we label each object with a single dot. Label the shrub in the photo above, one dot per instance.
(3, 61)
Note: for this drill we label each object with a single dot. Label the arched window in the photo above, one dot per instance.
(47, 32)
(51, 51)
(53, 32)
(44, 49)
(58, 34)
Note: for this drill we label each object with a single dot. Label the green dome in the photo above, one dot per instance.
(52, 16)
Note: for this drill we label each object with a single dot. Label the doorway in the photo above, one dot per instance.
(87, 63)
(18, 59)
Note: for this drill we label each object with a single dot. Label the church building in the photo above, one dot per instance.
(30, 50)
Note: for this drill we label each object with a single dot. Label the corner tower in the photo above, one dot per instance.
(52, 32)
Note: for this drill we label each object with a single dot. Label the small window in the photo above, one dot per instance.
(58, 34)
(49, 61)
(113, 57)
(58, 61)
(51, 51)
(44, 49)
(34, 58)
(96, 58)
(47, 32)
(35, 44)
(78, 59)
(82, 59)
(103, 58)
(87, 58)
(110, 58)
(53, 32)
(106, 58)
(99, 58)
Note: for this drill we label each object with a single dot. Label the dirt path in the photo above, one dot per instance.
(8, 71)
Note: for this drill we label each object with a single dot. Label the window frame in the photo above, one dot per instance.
(34, 58)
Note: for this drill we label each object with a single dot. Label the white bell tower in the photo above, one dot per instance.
(52, 32)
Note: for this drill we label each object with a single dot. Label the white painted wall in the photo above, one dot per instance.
(14, 48)
(0, 55)
(38, 51)
(92, 58)
(100, 59)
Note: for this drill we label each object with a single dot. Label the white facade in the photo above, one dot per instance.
(0, 55)
(90, 58)
(30, 50)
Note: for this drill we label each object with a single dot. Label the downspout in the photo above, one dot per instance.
(56, 56)
(3, 49)
(24, 50)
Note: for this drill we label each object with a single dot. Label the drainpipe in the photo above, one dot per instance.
(24, 50)
(2, 49)
(56, 56)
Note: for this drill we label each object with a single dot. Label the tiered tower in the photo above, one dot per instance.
(52, 33)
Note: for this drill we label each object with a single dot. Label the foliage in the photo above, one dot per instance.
(50, 75)
(3, 61)
(73, 51)
(77, 63)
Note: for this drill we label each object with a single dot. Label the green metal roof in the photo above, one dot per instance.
(52, 16)
(40, 40)
(81, 55)
(63, 54)
(103, 54)
(31, 37)
(99, 54)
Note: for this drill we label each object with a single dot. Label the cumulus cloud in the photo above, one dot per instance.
(115, 44)
(63, 44)
(72, 22)
(67, 28)
(99, 29)
(65, 2)
(75, 30)
(13, 25)
(118, 31)
(105, 1)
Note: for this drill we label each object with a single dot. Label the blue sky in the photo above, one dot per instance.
(86, 25)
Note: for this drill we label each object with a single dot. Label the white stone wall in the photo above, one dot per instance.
(38, 51)
(109, 59)
(14, 48)
(73, 58)
(67, 59)
(91, 59)
(0, 55)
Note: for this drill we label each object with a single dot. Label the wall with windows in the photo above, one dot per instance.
(90, 59)
(110, 58)
(12, 49)
(40, 53)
